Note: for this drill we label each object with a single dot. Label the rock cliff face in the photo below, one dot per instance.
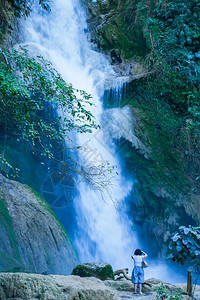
(163, 196)
(111, 30)
(31, 237)
(8, 24)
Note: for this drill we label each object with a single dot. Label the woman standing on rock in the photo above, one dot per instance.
(138, 272)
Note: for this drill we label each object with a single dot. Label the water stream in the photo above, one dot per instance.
(102, 230)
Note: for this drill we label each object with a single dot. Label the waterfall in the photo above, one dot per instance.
(103, 231)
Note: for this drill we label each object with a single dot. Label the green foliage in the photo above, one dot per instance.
(163, 293)
(185, 246)
(169, 95)
(116, 33)
(28, 87)
(175, 27)
(174, 30)
(157, 128)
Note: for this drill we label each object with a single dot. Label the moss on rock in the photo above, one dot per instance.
(111, 28)
(31, 237)
(9, 262)
(102, 271)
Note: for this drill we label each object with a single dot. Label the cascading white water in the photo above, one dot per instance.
(103, 231)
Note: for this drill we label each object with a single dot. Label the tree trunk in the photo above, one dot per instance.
(189, 283)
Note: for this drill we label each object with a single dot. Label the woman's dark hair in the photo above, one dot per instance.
(138, 252)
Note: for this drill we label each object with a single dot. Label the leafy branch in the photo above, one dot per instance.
(184, 248)
(28, 87)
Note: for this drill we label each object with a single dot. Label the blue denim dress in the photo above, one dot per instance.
(138, 272)
(137, 275)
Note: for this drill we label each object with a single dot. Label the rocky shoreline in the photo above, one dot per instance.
(23, 286)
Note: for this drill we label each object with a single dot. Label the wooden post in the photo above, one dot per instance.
(189, 283)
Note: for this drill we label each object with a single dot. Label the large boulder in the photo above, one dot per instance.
(99, 270)
(31, 237)
(23, 286)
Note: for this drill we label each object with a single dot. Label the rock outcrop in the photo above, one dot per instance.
(119, 123)
(8, 24)
(101, 271)
(109, 30)
(22, 286)
(113, 31)
(31, 286)
(31, 237)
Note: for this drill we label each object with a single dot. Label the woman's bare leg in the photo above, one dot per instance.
(135, 287)
(140, 288)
